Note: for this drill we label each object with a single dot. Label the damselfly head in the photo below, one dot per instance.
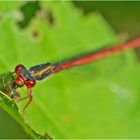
(24, 77)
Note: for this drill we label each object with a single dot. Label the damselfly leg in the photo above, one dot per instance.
(30, 96)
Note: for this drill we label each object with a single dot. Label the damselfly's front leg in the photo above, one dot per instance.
(30, 96)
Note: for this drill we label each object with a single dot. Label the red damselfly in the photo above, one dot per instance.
(29, 77)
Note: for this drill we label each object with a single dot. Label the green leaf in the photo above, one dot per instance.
(97, 100)
(11, 107)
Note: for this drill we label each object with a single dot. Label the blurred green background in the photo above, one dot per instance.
(124, 17)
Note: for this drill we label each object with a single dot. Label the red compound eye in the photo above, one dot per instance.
(30, 83)
(18, 68)
(19, 81)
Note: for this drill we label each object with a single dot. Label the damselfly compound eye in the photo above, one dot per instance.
(30, 83)
(19, 68)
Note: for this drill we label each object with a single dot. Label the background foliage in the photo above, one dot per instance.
(99, 100)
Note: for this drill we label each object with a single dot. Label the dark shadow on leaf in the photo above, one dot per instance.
(29, 11)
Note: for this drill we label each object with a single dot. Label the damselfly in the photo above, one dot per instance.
(29, 77)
